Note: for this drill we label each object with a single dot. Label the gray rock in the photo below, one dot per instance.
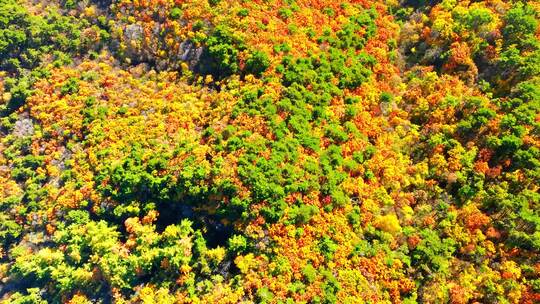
(23, 127)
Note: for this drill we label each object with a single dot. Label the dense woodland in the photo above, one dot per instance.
(269, 151)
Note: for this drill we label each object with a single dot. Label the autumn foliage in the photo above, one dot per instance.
(323, 151)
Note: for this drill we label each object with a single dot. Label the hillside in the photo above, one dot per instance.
(269, 151)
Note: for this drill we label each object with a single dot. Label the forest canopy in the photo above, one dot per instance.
(276, 151)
